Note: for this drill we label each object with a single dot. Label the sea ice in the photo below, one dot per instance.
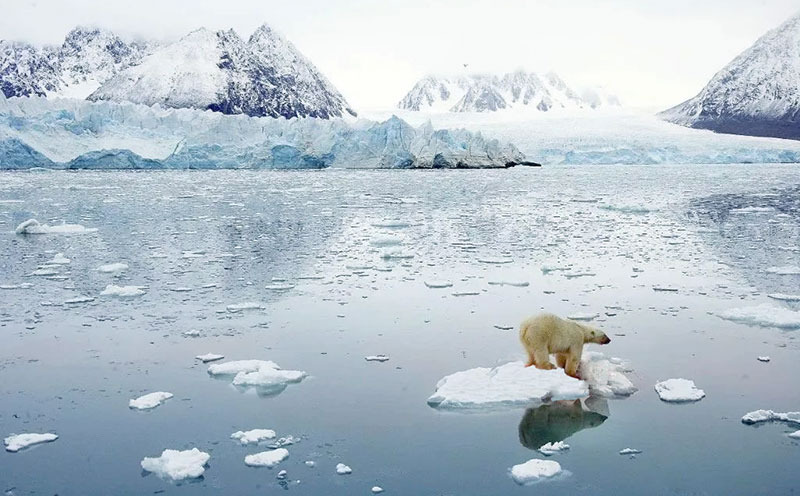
(59, 259)
(238, 366)
(496, 260)
(795, 435)
(535, 470)
(679, 390)
(191, 333)
(763, 315)
(343, 469)
(253, 436)
(122, 291)
(583, 316)
(758, 416)
(177, 465)
(550, 449)
(517, 284)
(209, 357)
(789, 270)
(16, 442)
(763, 359)
(629, 451)
(149, 401)
(438, 284)
(112, 268)
(784, 297)
(377, 358)
(606, 377)
(377, 489)
(268, 377)
(32, 226)
(267, 458)
(241, 307)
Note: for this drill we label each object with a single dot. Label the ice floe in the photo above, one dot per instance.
(376, 489)
(583, 316)
(241, 307)
(679, 391)
(122, 291)
(209, 357)
(149, 401)
(32, 226)
(237, 366)
(763, 315)
(513, 384)
(267, 458)
(795, 435)
(78, 300)
(112, 268)
(177, 465)
(517, 284)
(535, 470)
(253, 436)
(438, 284)
(763, 359)
(377, 358)
(496, 260)
(789, 270)
(24, 285)
(629, 451)
(59, 259)
(784, 297)
(191, 333)
(16, 442)
(343, 469)
(268, 377)
(759, 416)
(550, 449)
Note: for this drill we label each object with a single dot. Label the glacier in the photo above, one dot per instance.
(78, 134)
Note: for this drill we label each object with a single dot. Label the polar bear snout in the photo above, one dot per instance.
(605, 340)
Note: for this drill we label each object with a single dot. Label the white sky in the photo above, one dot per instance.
(652, 53)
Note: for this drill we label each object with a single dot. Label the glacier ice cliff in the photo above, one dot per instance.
(76, 134)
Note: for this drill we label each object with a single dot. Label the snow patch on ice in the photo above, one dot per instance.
(253, 436)
(267, 459)
(149, 401)
(16, 442)
(550, 449)
(535, 470)
(343, 469)
(759, 416)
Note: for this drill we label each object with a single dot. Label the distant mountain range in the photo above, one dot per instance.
(757, 94)
(490, 93)
(263, 76)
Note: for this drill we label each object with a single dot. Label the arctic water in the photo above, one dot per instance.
(335, 264)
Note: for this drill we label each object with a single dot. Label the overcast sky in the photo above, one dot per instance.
(653, 53)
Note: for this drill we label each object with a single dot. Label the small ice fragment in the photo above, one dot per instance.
(267, 458)
(377, 489)
(534, 471)
(241, 307)
(193, 254)
(44, 272)
(795, 435)
(279, 287)
(629, 451)
(343, 469)
(79, 299)
(763, 315)
(32, 226)
(679, 390)
(550, 449)
(784, 297)
(149, 401)
(503, 327)
(253, 436)
(192, 333)
(310, 463)
(496, 260)
(438, 284)
(583, 316)
(237, 366)
(122, 291)
(177, 465)
(788, 270)
(758, 416)
(763, 359)
(16, 442)
(466, 293)
(112, 268)
(209, 357)
(396, 253)
(59, 259)
(516, 284)
(665, 289)
(376, 358)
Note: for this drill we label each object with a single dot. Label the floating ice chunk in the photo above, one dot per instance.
(343, 469)
(517, 284)
(191, 333)
(789, 270)
(44, 272)
(310, 463)
(193, 254)
(377, 358)
(678, 391)
(16, 442)
(763, 315)
(606, 377)
(209, 357)
(546, 269)
(239, 366)
(25, 285)
(122, 291)
(253, 436)
(241, 307)
(32, 226)
(503, 327)
(279, 287)
(759, 416)
(59, 259)
(438, 284)
(665, 289)
(534, 471)
(550, 449)
(392, 224)
(629, 451)
(396, 253)
(377, 489)
(627, 209)
(267, 458)
(269, 377)
(78, 300)
(496, 260)
(795, 435)
(751, 210)
(177, 465)
(784, 297)
(763, 359)
(466, 293)
(112, 268)
(386, 241)
(149, 401)
(583, 316)
(575, 275)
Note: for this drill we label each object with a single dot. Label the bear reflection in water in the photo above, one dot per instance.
(559, 420)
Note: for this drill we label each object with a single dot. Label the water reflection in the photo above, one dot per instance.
(559, 420)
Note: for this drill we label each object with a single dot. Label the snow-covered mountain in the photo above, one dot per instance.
(757, 94)
(490, 93)
(86, 59)
(263, 76)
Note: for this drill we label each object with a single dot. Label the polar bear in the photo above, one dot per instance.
(546, 334)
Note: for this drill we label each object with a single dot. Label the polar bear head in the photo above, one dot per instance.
(594, 335)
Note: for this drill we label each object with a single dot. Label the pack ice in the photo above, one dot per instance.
(513, 384)
(75, 134)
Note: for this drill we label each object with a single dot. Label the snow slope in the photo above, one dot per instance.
(263, 76)
(758, 93)
(75, 134)
(490, 93)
